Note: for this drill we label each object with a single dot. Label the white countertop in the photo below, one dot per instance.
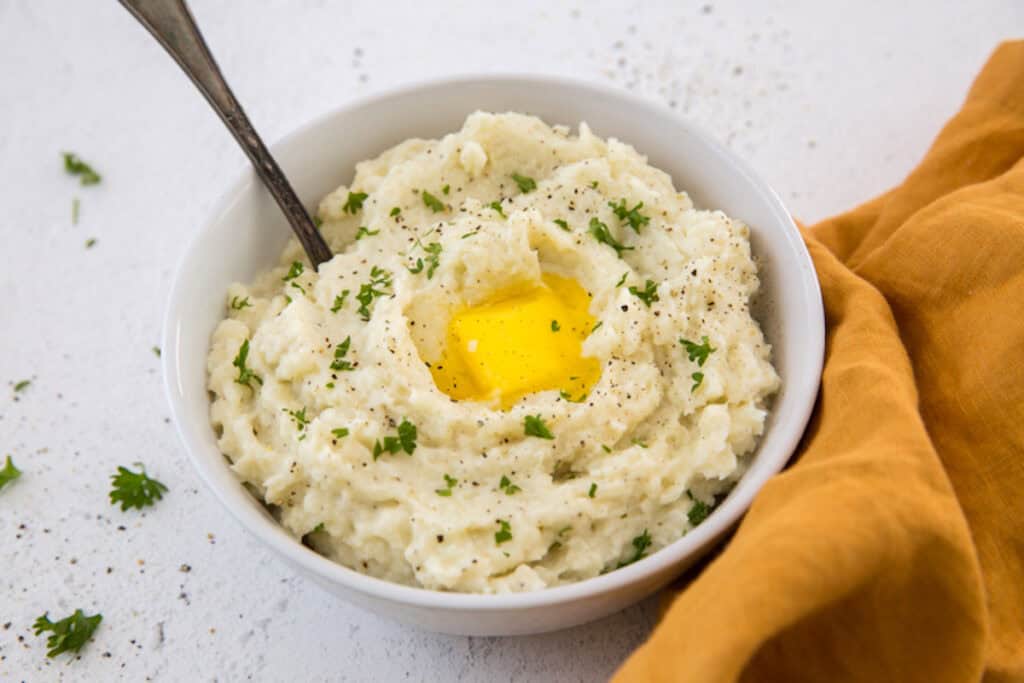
(831, 104)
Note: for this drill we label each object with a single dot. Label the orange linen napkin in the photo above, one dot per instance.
(893, 548)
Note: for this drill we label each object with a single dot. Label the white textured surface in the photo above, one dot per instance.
(831, 102)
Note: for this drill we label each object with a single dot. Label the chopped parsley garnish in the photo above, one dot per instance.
(637, 442)
(555, 327)
(75, 206)
(622, 280)
(340, 432)
(340, 351)
(405, 441)
(698, 379)
(318, 222)
(507, 486)
(445, 189)
(364, 231)
(632, 216)
(245, 374)
(238, 304)
(157, 352)
(593, 490)
(75, 166)
(496, 205)
(22, 385)
(134, 489)
(600, 232)
(562, 224)
(596, 327)
(449, 482)
(699, 511)
(90, 243)
(593, 185)
(533, 425)
(295, 271)
(69, 634)
(380, 281)
(354, 202)
(395, 211)
(432, 202)
(525, 183)
(566, 396)
(319, 527)
(640, 545)
(9, 472)
(471, 233)
(698, 352)
(605, 449)
(339, 301)
(649, 294)
(433, 259)
(504, 533)
(298, 417)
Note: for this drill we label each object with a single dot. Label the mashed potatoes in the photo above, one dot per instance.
(411, 412)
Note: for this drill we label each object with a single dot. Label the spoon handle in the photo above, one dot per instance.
(172, 25)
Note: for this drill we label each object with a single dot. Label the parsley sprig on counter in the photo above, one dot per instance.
(245, 373)
(75, 166)
(533, 425)
(354, 202)
(525, 183)
(9, 472)
(404, 441)
(134, 489)
(380, 282)
(649, 294)
(632, 216)
(69, 634)
(600, 232)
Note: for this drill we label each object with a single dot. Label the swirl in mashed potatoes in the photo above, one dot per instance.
(530, 361)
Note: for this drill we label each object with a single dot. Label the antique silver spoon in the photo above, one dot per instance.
(172, 25)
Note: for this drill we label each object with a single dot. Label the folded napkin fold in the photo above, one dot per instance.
(892, 548)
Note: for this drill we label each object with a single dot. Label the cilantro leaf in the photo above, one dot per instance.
(698, 352)
(525, 183)
(600, 232)
(632, 216)
(9, 472)
(134, 489)
(533, 425)
(75, 166)
(69, 634)
(649, 294)
(504, 533)
(354, 202)
(432, 202)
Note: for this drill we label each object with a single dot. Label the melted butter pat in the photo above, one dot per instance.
(507, 347)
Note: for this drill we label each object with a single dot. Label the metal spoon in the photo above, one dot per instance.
(172, 25)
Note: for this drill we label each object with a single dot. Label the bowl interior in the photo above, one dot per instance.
(247, 232)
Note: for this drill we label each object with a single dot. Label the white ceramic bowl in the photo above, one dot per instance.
(246, 233)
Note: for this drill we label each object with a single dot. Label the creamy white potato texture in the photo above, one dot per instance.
(326, 406)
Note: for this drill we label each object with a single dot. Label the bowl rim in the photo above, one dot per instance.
(718, 522)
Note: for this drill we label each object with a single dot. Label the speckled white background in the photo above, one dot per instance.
(831, 102)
